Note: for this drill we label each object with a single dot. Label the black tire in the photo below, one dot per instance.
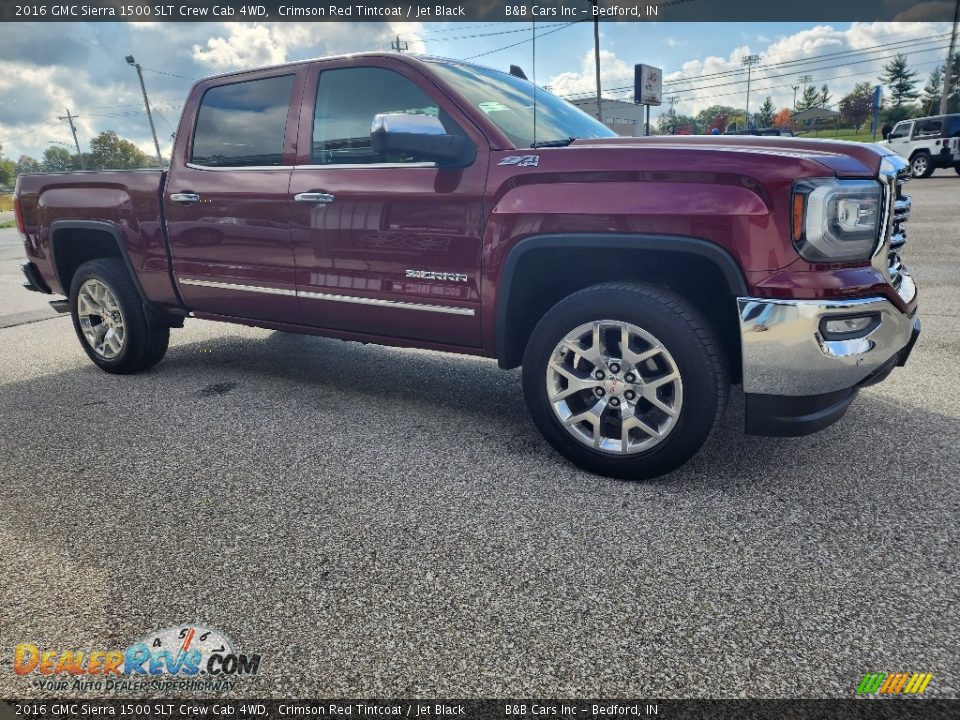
(921, 165)
(680, 329)
(956, 166)
(144, 343)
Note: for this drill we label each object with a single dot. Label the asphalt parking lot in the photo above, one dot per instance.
(379, 522)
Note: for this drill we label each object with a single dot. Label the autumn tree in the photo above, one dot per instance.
(783, 119)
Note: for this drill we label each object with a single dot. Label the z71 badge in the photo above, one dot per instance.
(521, 160)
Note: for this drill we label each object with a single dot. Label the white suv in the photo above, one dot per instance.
(928, 143)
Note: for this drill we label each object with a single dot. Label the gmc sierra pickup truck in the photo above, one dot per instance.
(432, 203)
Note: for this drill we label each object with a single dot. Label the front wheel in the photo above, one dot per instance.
(921, 166)
(110, 321)
(624, 380)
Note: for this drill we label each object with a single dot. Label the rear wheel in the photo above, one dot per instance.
(921, 166)
(624, 380)
(110, 320)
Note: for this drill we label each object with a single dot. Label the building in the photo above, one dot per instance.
(624, 118)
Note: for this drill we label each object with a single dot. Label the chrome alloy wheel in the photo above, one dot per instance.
(919, 166)
(100, 319)
(614, 387)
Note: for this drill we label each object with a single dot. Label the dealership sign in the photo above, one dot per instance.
(647, 85)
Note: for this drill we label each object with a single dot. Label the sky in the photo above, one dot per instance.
(48, 67)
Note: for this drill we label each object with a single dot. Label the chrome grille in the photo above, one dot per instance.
(898, 233)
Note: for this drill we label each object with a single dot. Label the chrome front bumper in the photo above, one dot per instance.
(785, 353)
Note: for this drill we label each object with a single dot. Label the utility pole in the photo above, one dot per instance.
(795, 88)
(146, 102)
(69, 118)
(399, 45)
(945, 97)
(596, 57)
(749, 61)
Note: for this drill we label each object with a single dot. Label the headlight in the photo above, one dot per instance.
(836, 220)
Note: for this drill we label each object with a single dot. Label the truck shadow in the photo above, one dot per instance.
(407, 402)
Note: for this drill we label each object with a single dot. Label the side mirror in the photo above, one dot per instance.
(422, 136)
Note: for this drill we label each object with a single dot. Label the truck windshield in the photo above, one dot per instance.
(508, 102)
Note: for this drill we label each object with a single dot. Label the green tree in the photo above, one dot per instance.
(764, 116)
(809, 99)
(823, 99)
(58, 159)
(901, 81)
(933, 91)
(857, 106)
(109, 151)
(671, 123)
(27, 164)
(706, 117)
(7, 170)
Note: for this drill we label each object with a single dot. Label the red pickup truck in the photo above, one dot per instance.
(432, 203)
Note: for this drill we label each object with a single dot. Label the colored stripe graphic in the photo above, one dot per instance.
(894, 683)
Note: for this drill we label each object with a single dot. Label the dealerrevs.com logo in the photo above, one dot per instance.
(184, 657)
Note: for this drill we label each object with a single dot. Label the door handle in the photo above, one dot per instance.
(314, 197)
(185, 197)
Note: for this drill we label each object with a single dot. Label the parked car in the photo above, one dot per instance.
(766, 132)
(634, 279)
(928, 143)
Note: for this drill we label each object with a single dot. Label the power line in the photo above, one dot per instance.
(161, 72)
(801, 61)
(522, 42)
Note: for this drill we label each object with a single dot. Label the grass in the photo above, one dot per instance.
(8, 224)
(6, 202)
(841, 134)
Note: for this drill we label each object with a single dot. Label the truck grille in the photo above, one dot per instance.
(898, 233)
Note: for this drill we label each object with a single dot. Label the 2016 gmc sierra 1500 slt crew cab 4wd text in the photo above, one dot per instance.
(431, 203)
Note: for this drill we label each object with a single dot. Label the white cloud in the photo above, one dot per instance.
(613, 72)
(718, 80)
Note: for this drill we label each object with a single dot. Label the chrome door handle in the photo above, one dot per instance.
(314, 197)
(185, 197)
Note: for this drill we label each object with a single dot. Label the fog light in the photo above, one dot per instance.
(849, 327)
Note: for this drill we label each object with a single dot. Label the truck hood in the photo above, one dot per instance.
(843, 158)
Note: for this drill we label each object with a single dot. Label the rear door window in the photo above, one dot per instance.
(928, 128)
(243, 124)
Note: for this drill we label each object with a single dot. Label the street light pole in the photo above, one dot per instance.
(749, 61)
(945, 97)
(596, 56)
(146, 102)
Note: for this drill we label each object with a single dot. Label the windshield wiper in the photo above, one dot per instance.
(553, 143)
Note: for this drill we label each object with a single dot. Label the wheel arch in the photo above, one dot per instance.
(74, 242)
(537, 274)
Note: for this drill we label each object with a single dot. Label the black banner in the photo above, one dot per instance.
(473, 10)
(863, 709)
